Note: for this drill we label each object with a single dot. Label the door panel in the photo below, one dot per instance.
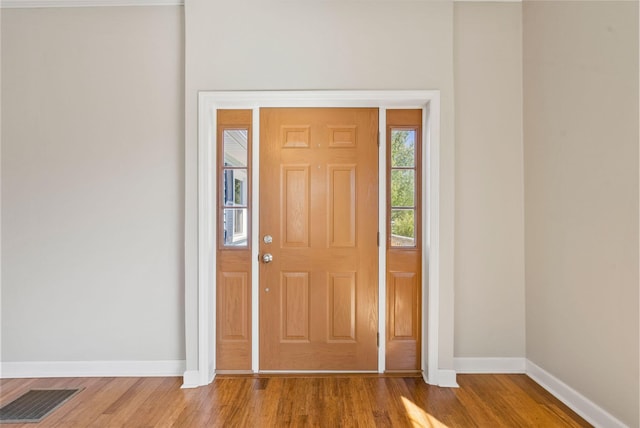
(319, 202)
(342, 205)
(295, 205)
(342, 307)
(234, 302)
(295, 307)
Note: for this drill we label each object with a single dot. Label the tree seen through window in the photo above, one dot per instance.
(403, 175)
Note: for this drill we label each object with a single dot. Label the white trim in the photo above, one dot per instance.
(206, 242)
(190, 379)
(253, 99)
(30, 4)
(489, 365)
(580, 404)
(431, 240)
(447, 378)
(209, 101)
(382, 248)
(45, 369)
(255, 241)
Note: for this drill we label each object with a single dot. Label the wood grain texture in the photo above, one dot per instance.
(233, 269)
(404, 264)
(319, 203)
(326, 401)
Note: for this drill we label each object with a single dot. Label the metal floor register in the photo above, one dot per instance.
(35, 405)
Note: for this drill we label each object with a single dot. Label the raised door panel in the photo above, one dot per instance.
(233, 302)
(233, 314)
(403, 317)
(342, 205)
(295, 307)
(295, 205)
(342, 307)
(295, 136)
(342, 136)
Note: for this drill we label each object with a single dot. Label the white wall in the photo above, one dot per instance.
(489, 228)
(92, 184)
(581, 187)
(284, 45)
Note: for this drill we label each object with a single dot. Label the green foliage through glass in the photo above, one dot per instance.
(403, 187)
(403, 148)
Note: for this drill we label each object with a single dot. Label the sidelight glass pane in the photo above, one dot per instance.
(403, 187)
(235, 186)
(403, 148)
(235, 147)
(235, 222)
(403, 228)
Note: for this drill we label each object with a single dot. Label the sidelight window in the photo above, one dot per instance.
(403, 186)
(235, 187)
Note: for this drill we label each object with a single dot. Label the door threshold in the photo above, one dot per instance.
(318, 375)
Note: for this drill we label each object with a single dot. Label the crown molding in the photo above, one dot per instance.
(28, 4)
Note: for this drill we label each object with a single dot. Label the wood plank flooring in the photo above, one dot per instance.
(301, 401)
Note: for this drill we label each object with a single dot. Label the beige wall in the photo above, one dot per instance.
(92, 184)
(489, 228)
(581, 187)
(99, 190)
(1, 182)
(284, 45)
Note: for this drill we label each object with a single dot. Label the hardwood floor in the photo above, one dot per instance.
(320, 401)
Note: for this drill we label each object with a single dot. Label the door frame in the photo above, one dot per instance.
(210, 101)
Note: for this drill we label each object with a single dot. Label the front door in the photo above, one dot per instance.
(318, 239)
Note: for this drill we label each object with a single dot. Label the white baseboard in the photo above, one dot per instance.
(489, 365)
(191, 379)
(447, 378)
(580, 404)
(33, 369)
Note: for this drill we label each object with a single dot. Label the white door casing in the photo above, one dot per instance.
(209, 102)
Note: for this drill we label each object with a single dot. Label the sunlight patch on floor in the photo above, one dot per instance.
(420, 418)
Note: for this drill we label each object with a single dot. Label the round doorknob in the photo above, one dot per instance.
(267, 258)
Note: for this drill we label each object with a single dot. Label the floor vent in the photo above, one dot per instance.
(35, 405)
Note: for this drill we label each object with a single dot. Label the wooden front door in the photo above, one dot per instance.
(319, 205)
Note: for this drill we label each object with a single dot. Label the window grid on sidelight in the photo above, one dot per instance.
(235, 188)
(403, 173)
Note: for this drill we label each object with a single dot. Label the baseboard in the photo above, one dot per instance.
(489, 365)
(33, 369)
(580, 404)
(447, 378)
(191, 379)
